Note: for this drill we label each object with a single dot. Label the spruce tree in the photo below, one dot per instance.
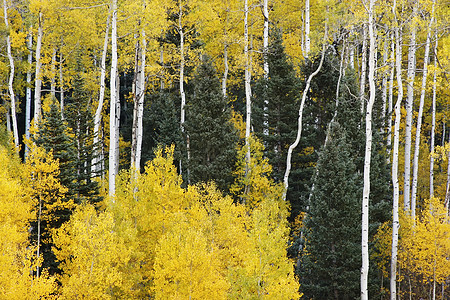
(330, 266)
(79, 115)
(212, 136)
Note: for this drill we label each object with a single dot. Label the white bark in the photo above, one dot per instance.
(395, 218)
(38, 79)
(28, 91)
(384, 85)
(367, 159)
(362, 81)
(248, 103)
(112, 115)
(61, 85)
(409, 108)
(101, 98)
(53, 75)
(307, 29)
(138, 104)
(225, 71)
(419, 117)
(300, 116)
(433, 121)
(11, 78)
(391, 92)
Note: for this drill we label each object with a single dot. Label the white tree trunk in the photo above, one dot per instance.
(38, 79)
(248, 92)
(11, 78)
(409, 107)
(101, 98)
(362, 80)
(395, 183)
(307, 29)
(112, 115)
(225, 71)
(139, 105)
(433, 120)
(28, 90)
(300, 116)
(384, 87)
(53, 75)
(61, 85)
(367, 160)
(391, 92)
(419, 117)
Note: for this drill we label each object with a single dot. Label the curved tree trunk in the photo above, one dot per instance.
(11, 78)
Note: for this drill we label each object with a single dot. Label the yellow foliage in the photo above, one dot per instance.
(16, 256)
(92, 255)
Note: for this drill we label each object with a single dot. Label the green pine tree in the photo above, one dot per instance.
(331, 262)
(79, 115)
(212, 137)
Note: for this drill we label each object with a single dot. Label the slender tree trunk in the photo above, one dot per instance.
(447, 190)
(248, 103)
(118, 111)
(300, 116)
(266, 65)
(112, 114)
(419, 118)
(362, 81)
(28, 90)
(384, 84)
(38, 246)
(11, 78)
(395, 158)
(367, 160)
(138, 104)
(61, 84)
(225, 71)
(101, 98)
(38, 79)
(433, 120)
(53, 75)
(391, 92)
(409, 109)
(161, 61)
(307, 29)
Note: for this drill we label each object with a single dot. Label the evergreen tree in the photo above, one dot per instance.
(276, 106)
(54, 135)
(212, 136)
(330, 268)
(80, 119)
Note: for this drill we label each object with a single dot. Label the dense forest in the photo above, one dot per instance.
(225, 149)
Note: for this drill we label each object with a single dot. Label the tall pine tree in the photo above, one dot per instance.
(330, 266)
(211, 134)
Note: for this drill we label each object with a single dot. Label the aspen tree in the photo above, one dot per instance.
(28, 89)
(395, 158)
(411, 72)
(307, 47)
(300, 115)
(368, 153)
(12, 96)
(37, 74)
(419, 117)
(113, 157)
(248, 92)
(391, 90)
(362, 81)
(433, 120)
(101, 97)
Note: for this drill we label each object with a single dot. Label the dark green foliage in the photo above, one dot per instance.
(53, 135)
(81, 120)
(212, 137)
(162, 125)
(330, 267)
(276, 106)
